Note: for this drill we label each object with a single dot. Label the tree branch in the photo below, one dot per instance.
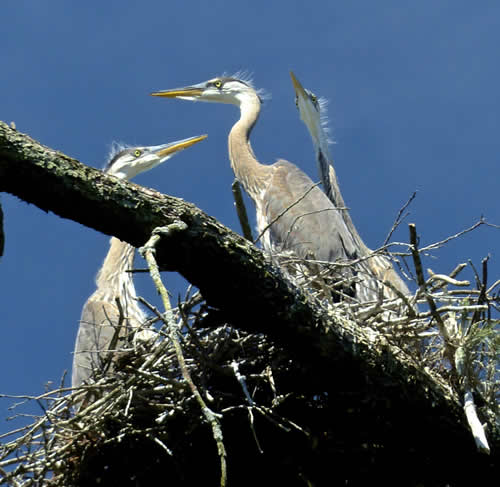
(230, 272)
(55, 182)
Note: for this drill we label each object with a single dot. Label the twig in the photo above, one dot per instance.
(410, 307)
(159, 442)
(297, 218)
(459, 268)
(474, 423)
(116, 335)
(130, 395)
(241, 210)
(8, 476)
(398, 219)
(449, 349)
(439, 244)
(298, 200)
(148, 252)
(447, 280)
(242, 380)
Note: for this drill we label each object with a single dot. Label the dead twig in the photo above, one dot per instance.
(148, 253)
(241, 210)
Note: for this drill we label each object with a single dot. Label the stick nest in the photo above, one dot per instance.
(144, 423)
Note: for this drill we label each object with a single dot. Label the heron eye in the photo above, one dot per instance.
(314, 99)
(137, 153)
(218, 83)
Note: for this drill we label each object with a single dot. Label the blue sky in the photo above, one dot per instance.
(414, 106)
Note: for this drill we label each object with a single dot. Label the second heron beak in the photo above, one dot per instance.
(166, 150)
(188, 93)
(299, 89)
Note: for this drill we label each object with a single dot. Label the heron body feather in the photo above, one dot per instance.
(100, 326)
(305, 220)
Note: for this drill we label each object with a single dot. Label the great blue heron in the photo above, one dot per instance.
(379, 267)
(299, 215)
(112, 313)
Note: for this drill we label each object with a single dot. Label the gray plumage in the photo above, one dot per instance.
(376, 269)
(111, 317)
(292, 231)
(103, 328)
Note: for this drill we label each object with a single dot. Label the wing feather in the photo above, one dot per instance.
(305, 220)
(100, 331)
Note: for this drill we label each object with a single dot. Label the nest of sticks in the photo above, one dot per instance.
(176, 407)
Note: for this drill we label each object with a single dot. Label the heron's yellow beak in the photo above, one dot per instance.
(179, 92)
(180, 145)
(299, 89)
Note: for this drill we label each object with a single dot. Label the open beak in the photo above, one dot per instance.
(189, 92)
(299, 89)
(166, 150)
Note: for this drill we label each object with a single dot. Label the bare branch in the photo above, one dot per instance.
(439, 244)
(241, 210)
(398, 219)
(432, 305)
(148, 252)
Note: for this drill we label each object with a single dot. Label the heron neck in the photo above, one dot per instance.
(332, 190)
(250, 172)
(113, 279)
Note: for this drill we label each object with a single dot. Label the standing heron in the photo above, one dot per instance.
(111, 315)
(377, 268)
(293, 214)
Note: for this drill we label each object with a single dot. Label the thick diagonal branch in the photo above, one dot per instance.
(230, 272)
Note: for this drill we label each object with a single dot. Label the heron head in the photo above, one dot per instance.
(127, 162)
(224, 89)
(309, 107)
